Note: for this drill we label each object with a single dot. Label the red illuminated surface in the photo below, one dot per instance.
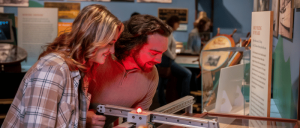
(139, 110)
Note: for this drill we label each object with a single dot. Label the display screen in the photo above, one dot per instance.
(5, 30)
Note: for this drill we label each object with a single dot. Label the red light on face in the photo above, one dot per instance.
(139, 110)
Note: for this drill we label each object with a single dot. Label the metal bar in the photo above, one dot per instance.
(189, 109)
(156, 115)
(176, 124)
(177, 105)
(114, 110)
(6, 101)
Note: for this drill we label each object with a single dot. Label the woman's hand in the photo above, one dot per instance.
(93, 120)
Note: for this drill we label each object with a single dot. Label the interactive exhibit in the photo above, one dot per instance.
(235, 79)
(235, 86)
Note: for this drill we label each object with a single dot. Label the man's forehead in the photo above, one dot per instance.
(157, 38)
(157, 42)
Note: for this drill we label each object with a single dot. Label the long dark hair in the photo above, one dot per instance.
(172, 20)
(201, 24)
(136, 32)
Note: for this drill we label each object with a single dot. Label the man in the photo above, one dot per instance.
(131, 79)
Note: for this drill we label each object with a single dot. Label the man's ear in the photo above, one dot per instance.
(135, 51)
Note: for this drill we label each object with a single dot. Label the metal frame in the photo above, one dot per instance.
(160, 115)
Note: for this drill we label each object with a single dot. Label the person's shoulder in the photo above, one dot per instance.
(52, 59)
(194, 31)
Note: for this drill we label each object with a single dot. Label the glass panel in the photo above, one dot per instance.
(225, 80)
(227, 122)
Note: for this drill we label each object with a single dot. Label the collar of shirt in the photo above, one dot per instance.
(48, 58)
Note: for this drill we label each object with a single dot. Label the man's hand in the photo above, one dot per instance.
(93, 120)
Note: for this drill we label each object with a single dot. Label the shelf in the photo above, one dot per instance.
(6, 101)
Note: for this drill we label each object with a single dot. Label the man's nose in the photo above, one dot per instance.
(158, 58)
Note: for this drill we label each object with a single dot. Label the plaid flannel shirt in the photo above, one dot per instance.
(48, 97)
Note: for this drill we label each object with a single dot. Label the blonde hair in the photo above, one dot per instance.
(92, 29)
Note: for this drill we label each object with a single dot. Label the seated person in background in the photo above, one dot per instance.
(53, 93)
(130, 78)
(182, 74)
(194, 41)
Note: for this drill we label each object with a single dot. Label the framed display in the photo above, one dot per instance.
(6, 32)
(65, 10)
(286, 14)
(275, 9)
(297, 3)
(165, 13)
(23, 3)
(260, 5)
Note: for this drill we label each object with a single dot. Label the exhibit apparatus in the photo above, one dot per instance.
(232, 80)
(138, 117)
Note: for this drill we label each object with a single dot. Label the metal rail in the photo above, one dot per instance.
(184, 121)
(177, 105)
(161, 115)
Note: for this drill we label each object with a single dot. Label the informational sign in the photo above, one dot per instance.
(182, 27)
(64, 27)
(261, 64)
(165, 13)
(36, 28)
(65, 10)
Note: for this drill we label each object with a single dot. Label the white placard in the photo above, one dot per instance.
(36, 28)
(261, 64)
(231, 79)
(182, 27)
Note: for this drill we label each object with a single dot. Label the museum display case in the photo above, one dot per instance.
(225, 80)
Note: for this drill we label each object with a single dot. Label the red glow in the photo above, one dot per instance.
(139, 110)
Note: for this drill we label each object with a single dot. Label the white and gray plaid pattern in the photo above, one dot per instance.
(48, 97)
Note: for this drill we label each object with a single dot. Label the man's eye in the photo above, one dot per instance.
(154, 53)
(110, 44)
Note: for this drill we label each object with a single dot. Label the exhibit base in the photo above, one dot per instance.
(236, 110)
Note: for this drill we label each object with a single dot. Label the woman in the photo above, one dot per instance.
(182, 74)
(194, 41)
(53, 93)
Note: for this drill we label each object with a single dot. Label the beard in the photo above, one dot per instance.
(147, 67)
(144, 66)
